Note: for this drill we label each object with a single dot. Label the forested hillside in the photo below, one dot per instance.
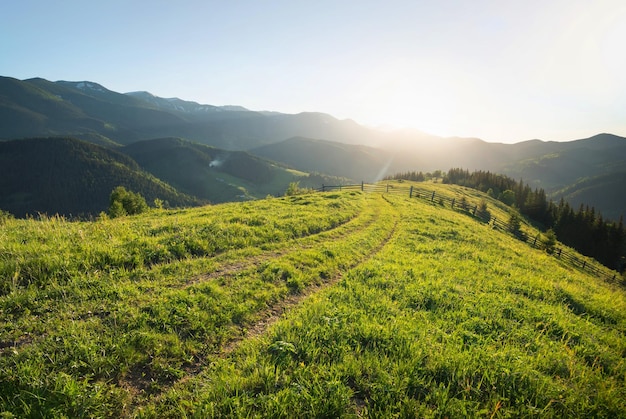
(72, 177)
(604, 192)
(210, 173)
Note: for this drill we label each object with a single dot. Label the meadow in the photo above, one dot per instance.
(338, 304)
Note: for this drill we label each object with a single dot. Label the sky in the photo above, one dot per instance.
(499, 70)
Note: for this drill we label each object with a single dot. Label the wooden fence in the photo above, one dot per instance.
(462, 204)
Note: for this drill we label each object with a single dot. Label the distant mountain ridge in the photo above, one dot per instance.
(309, 141)
(179, 105)
(356, 162)
(37, 107)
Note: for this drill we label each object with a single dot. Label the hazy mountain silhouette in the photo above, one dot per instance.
(313, 142)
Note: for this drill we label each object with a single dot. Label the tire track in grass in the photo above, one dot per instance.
(270, 315)
(275, 312)
(233, 268)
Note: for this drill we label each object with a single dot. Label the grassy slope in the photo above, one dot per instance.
(427, 312)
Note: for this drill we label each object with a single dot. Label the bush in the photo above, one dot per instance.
(292, 189)
(123, 202)
(295, 189)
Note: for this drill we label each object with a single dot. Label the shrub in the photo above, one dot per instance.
(295, 189)
(292, 189)
(123, 202)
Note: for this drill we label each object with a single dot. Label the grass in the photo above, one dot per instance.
(386, 306)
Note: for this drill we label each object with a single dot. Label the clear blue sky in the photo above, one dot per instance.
(498, 70)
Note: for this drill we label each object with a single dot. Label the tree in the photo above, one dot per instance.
(514, 223)
(508, 197)
(123, 202)
(483, 211)
(550, 241)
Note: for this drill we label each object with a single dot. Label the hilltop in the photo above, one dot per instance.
(372, 303)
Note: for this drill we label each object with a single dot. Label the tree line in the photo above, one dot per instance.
(583, 229)
(414, 176)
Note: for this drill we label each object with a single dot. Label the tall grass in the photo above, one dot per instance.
(420, 311)
(118, 326)
(449, 319)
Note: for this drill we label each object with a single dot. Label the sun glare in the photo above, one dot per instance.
(395, 99)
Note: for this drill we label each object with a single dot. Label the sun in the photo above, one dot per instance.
(393, 99)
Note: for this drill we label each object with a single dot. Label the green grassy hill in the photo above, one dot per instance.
(337, 304)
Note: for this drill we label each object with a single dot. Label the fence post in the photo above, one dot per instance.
(361, 186)
(432, 198)
(411, 192)
(535, 242)
(453, 203)
(559, 252)
(584, 264)
(475, 208)
(387, 187)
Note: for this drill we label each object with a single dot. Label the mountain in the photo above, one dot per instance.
(604, 193)
(72, 177)
(210, 173)
(357, 162)
(556, 165)
(179, 105)
(89, 111)
(38, 107)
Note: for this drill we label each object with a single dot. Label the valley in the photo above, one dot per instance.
(173, 138)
